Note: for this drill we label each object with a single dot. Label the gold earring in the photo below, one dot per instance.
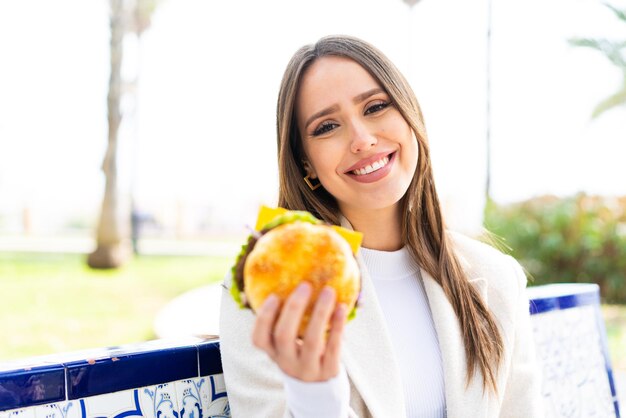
(311, 185)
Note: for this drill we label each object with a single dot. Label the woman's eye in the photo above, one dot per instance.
(376, 107)
(324, 127)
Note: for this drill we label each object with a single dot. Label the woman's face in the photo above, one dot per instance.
(357, 143)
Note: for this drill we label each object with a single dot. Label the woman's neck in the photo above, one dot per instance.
(381, 228)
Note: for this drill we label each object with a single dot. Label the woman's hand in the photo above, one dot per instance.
(314, 358)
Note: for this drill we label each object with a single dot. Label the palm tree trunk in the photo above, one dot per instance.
(112, 245)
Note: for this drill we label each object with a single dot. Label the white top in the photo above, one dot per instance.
(400, 290)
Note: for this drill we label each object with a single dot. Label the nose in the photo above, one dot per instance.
(362, 138)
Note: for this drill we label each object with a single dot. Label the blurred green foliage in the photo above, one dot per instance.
(576, 239)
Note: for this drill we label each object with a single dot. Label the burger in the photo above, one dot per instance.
(291, 248)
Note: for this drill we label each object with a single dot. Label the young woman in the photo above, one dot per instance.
(443, 328)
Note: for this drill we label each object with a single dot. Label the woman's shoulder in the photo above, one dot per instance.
(474, 248)
(481, 260)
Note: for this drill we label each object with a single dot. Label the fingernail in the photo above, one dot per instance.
(271, 301)
(327, 294)
(303, 289)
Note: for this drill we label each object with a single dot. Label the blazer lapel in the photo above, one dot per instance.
(369, 358)
(461, 400)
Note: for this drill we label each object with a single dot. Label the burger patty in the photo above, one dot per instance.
(252, 240)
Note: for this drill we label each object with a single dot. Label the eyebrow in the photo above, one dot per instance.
(357, 99)
(321, 113)
(363, 96)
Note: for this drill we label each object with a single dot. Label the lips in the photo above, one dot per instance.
(368, 163)
(372, 169)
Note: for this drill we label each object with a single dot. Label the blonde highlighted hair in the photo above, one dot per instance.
(423, 229)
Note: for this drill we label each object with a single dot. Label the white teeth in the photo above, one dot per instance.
(371, 168)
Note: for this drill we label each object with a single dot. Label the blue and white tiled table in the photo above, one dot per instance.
(155, 379)
(183, 378)
(572, 351)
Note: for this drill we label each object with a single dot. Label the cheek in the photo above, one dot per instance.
(414, 145)
(325, 168)
(415, 152)
(410, 152)
(325, 158)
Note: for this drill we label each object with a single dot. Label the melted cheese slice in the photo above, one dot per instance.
(267, 214)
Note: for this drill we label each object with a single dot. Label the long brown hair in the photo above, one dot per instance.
(423, 229)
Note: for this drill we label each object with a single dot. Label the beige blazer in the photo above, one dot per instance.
(254, 385)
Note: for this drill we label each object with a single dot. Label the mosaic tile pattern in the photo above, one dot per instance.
(160, 401)
(161, 378)
(570, 350)
(125, 403)
(58, 410)
(22, 413)
(203, 397)
(189, 397)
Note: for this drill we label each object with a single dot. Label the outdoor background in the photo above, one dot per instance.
(505, 93)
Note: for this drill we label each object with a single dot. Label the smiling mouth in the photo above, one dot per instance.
(372, 167)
